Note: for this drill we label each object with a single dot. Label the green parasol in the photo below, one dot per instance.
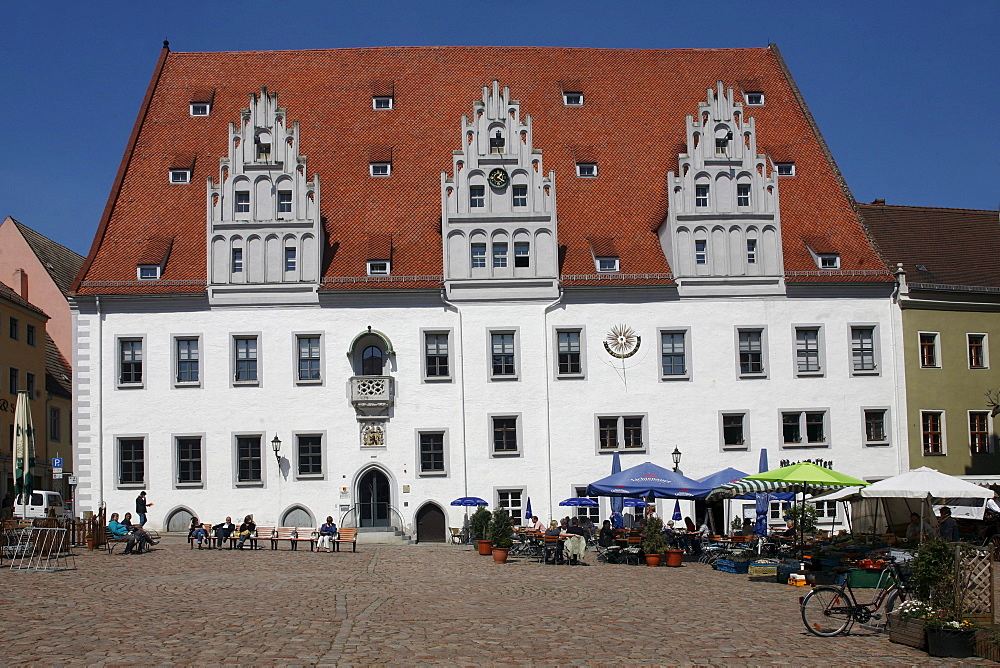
(806, 473)
(24, 448)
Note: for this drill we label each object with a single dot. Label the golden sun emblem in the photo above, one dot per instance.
(622, 341)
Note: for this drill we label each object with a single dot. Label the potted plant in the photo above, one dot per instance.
(499, 534)
(936, 583)
(478, 525)
(948, 635)
(652, 542)
(906, 624)
(90, 540)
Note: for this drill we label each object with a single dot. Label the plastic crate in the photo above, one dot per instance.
(728, 566)
(763, 568)
(786, 568)
(867, 579)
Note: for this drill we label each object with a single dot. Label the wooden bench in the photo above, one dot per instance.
(294, 536)
(346, 536)
(207, 526)
(261, 533)
(111, 540)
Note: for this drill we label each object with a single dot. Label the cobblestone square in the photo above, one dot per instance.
(392, 604)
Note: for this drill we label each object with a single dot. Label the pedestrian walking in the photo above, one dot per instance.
(140, 507)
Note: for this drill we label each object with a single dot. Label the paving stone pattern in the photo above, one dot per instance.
(394, 604)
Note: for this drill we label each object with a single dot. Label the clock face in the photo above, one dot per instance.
(498, 178)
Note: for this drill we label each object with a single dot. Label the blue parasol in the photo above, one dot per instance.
(763, 504)
(579, 501)
(635, 503)
(616, 467)
(648, 480)
(469, 501)
(677, 511)
(527, 510)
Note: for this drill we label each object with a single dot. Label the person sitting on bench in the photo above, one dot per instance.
(246, 530)
(118, 530)
(223, 531)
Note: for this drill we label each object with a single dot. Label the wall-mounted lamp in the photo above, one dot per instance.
(675, 455)
(276, 446)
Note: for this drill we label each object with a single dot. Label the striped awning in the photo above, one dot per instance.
(741, 487)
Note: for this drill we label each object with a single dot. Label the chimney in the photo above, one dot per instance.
(879, 202)
(21, 283)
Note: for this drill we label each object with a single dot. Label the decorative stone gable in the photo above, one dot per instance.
(723, 231)
(498, 208)
(264, 231)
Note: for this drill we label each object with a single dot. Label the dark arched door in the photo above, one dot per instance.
(430, 524)
(373, 499)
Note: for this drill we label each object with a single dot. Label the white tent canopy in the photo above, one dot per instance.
(923, 483)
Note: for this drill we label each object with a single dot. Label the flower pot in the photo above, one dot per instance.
(908, 632)
(500, 555)
(90, 543)
(674, 557)
(945, 642)
(485, 547)
(652, 560)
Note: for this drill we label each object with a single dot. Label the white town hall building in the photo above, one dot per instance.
(453, 271)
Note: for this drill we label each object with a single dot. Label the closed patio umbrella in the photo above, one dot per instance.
(24, 450)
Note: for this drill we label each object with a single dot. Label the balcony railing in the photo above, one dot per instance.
(371, 391)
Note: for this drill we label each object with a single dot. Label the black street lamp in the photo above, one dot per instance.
(675, 455)
(276, 446)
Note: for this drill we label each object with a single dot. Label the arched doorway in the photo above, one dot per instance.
(373, 499)
(430, 524)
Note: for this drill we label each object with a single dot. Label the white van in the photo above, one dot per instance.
(39, 504)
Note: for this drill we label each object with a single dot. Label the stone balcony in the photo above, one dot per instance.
(371, 391)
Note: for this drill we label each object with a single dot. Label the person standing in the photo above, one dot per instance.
(948, 526)
(140, 507)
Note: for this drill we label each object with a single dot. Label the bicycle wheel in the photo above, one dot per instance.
(826, 611)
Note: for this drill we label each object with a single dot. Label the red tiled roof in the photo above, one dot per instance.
(8, 293)
(957, 247)
(633, 121)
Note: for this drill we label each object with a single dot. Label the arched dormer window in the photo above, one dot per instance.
(372, 361)
(262, 146)
(369, 353)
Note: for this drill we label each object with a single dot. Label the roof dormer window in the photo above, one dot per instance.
(606, 265)
(381, 102)
(378, 267)
(572, 99)
(497, 143)
(586, 169)
(785, 168)
(754, 98)
(380, 168)
(200, 109)
(829, 261)
(147, 272)
(180, 175)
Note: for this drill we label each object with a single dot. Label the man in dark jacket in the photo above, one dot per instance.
(140, 507)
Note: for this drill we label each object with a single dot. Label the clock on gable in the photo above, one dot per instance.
(498, 178)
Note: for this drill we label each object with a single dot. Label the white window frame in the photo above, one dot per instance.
(175, 360)
(765, 365)
(937, 350)
(788, 167)
(515, 196)
(820, 350)
(448, 333)
(477, 196)
(944, 432)
(990, 436)
(236, 436)
(829, 511)
(379, 267)
(522, 246)
(421, 473)
(886, 426)
(876, 348)
(473, 247)
(296, 435)
(753, 249)
(192, 108)
(620, 431)
(516, 332)
(745, 445)
(296, 337)
(607, 265)
(174, 439)
(748, 196)
(289, 204)
(586, 170)
(237, 193)
(180, 177)
(388, 100)
(518, 434)
(507, 489)
(376, 169)
(572, 98)
(233, 337)
(686, 333)
(804, 428)
(828, 261)
(751, 101)
(118, 438)
(702, 200)
(582, 352)
(985, 350)
(140, 269)
(143, 352)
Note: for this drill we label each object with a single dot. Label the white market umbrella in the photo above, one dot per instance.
(24, 448)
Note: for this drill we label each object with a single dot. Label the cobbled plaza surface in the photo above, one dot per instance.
(409, 605)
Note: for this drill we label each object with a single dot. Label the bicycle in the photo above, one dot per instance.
(830, 610)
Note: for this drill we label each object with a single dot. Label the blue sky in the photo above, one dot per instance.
(906, 94)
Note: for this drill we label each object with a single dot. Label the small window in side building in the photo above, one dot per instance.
(477, 196)
(180, 175)
(572, 99)
(242, 201)
(829, 261)
(607, 264)
(785, 168)
(200, 109)
(754, 99)
(284, 201)
(380, 168)
(290, 258)
(522, 254)
(586, 169)
(378, 268)
(29, 335)
(148, 272)
(382, 102)
(520, 196)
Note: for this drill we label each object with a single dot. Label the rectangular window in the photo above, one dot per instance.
(478, 256)
(672, 354)
(199, 109)
(432, 452)
(13, 378)
(979, 432)
(309, 358)
(505, 435)
(264, 151)
(180, 175)
(733, 435)
(721, 146)
(632, 433)
(237, 260)
(592, 513)
(131, 461)
(754, 99)
(242, 201)
(436, 355)
(522, 257)
(55, 424)
(931, 433)
(378, 268)
(148, 272)
(477, 197)
(503, 354)
(829, 261)
(382, 102)
(246, 359)
(29, 334)
(188, 361)
(977, 351)
(520, 196)
(700, 251)
(778, 509)
(14, 328)
(380, 169)
(876, 432)
(29, 384)
(826, 510)
(751, 251)
(130, 361)
(310, 454)
(248, 458)
(572, 99)
(752, 352)
(863, 349)
(791, 428)
(743, 194)
(189, 460)
(607, 433)
(569, 353)
(928, 349)
(511, 501)
(621, 432)
(284, 201)
(701, 195)
(499, 254)
(607, 264)
(586, 169)
(290, 258)
(785, 168)
(807, 353)
(810, 424)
